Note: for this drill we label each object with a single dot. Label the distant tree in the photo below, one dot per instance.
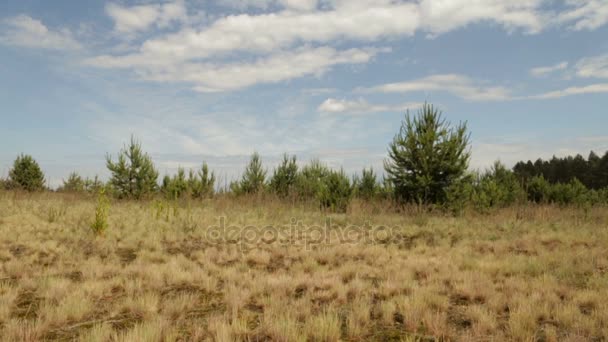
(26, 174)
(335, 192)
(253, 179)
(367, 186)
(284, 176)
(74, 183)
(427, 156)
(175, 187)
(310, 179)
(202, 184)
(133, 175)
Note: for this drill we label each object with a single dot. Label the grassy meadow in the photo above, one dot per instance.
(163, 272)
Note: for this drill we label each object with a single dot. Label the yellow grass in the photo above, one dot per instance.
(523, 274)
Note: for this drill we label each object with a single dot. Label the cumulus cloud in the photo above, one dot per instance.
(133, 19)
(25, 31)
(458, 85)
(361, 106)
(545, 70)
(210, 77)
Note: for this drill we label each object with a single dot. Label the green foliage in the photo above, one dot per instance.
(459, 194)
(367, 186)
(497, 187)
(335, 191)
(133, 175)
(573, 192)
(310, 179)
(204, 185)
(26, 174)
(100, 223)
(426, 157)
(539, 190)
(175, 187)
(284, 176)
(591, 172)
(254, 178)
(74, 183)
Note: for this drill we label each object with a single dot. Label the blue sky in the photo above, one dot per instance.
(215, 80)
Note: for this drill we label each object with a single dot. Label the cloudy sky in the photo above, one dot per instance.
(215, 80)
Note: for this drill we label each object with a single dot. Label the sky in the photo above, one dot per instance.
(216, 80)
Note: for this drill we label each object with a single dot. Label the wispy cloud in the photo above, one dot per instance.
(588, 89)
(361, 106)
(545, 70)
(458, 85)
(596, 67)
(211, 77)
(25, 31)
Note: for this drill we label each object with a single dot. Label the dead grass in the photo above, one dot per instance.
(523, 274)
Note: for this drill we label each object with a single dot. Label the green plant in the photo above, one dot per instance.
(100, 223)
(253, 180)
(284, 177)
(335, 192)
(74, 183)
(367, 186)
(426, 157)
(133, 175)
(26, 174)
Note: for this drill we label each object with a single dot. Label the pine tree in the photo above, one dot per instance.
(284, 176)
(427, 156)
(367, 187)
(133, 175)
(254, 178)
(74, 183)
(26, 174)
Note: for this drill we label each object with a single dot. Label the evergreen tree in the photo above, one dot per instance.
(133, 175)
(26, 174)
(74, 183)
(367, 186)
(284, 177)
(254, 178)
(427, 156)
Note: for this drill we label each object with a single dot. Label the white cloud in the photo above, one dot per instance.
(542, 71)
(585, 14)
(593, 67)
(459, 85)
(209, 77)
(361, 106)
(133, 19)
(589, 89)
(27, 32)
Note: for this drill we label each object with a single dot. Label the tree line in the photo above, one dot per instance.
(427, 165)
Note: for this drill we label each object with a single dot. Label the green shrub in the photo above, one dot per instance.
(426, 157)
(74, 183)
(100, 223)
(459, 195)
(573, 192)
(309, 180)
(539, 190)
(203, 185)
(254, 178)
(133, 175)
(26, 174)
(367, 186)
(284, 177)
(335, 191)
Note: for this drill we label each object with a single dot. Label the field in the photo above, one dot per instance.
(227, 269)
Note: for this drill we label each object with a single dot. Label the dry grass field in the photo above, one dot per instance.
(165, 272)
